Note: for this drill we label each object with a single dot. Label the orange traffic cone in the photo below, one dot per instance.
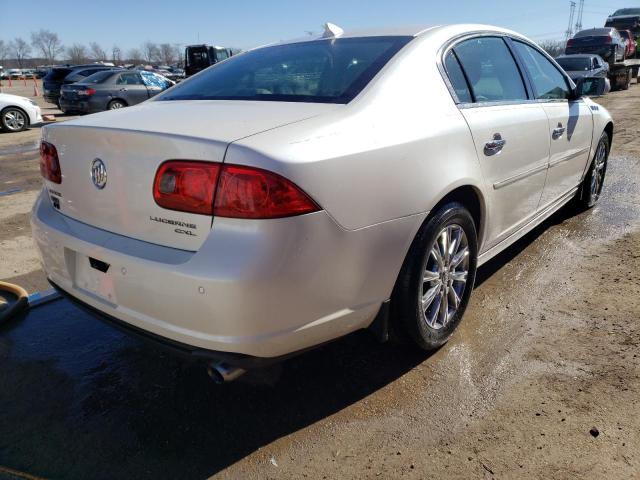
(35, 88)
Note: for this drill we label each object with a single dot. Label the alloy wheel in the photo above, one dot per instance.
(115, 105)
(597, 176)
(14, 120)
(445, 276)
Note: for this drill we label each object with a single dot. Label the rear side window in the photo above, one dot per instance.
(548, 82)
(57, 74)
(456, 77)
(491, 70)
(131, 78)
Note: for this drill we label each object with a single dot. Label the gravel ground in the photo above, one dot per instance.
(542, 379)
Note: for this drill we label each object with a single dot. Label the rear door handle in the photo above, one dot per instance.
(558, 131)
(494, 146)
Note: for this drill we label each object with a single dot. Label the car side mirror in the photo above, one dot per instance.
(590, 87)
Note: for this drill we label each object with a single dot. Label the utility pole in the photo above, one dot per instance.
(572, 12)
(579, 20)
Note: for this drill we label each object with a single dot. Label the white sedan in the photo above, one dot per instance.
(301, 191)
(18, 113)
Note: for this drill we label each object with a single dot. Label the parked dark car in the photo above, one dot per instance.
(583, 65)
(605, 42)
(110, 90)
(625, 19)
(199, 57)
(58, 76)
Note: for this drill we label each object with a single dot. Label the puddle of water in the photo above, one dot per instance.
(11, 191)
(24, 148)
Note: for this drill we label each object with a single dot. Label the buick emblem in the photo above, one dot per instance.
(99, 173)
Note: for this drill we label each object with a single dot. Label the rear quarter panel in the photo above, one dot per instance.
(394, 151)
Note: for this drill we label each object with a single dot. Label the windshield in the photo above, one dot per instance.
(321, 71)
(626, 11)
(575, 64)
(98, 77)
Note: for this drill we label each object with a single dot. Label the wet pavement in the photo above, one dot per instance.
(548, 352)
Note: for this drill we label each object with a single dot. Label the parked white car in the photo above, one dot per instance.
(18, 113)
(317, 187)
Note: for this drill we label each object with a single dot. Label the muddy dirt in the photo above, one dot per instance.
(542, 379)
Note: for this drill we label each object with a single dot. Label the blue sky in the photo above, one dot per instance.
(248, 23)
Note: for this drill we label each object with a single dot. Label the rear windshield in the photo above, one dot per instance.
(98, 77)
(594, 32)
(198, 57)
(626, 11)
(57, 74)
(320, 71)
(575, 64)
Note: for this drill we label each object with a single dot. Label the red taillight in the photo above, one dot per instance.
(608, 39)
(247, 192)
(49, 163)
(86, 92)
(569, 42)
(239, 192)
(186, 186)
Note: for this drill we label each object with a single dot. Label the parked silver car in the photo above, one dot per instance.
(301, 191)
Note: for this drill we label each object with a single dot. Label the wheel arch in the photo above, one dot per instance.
(472, 199)
(609, 131)
(114, 99)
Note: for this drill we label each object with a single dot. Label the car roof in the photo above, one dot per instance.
(410, 31)
(578, 55)
(594, 31)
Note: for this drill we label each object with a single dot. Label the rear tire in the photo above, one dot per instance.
(593, 182)
(436, 280)
(116, 104)
(627, 83)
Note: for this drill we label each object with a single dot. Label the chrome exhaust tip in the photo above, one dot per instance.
(220, 372)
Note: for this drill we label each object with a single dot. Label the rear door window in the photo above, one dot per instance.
(457, 79)
(491, 70)
(548, 82)
(129, 78)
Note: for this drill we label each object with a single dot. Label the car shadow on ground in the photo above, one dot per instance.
(80, 399)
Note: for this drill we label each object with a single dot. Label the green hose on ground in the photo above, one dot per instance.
(8, 308)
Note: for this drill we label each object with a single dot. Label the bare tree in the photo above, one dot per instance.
(97, 52)
(48, 44)
(77, 53)
(4, 51)
(150, 52)
(20, 50)
(135, 55)
(169, 53)
(116, 55)
(553, 47)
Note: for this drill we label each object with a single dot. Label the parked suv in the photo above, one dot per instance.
(59, 76)
(605, 42)
(199, 57)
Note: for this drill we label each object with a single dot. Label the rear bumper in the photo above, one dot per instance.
(81, 106)
(606, 52)
(255, 288)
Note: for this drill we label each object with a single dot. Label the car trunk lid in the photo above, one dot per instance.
(133, 143)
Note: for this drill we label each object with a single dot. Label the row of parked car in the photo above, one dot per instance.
(15, 73)
(94, 87)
